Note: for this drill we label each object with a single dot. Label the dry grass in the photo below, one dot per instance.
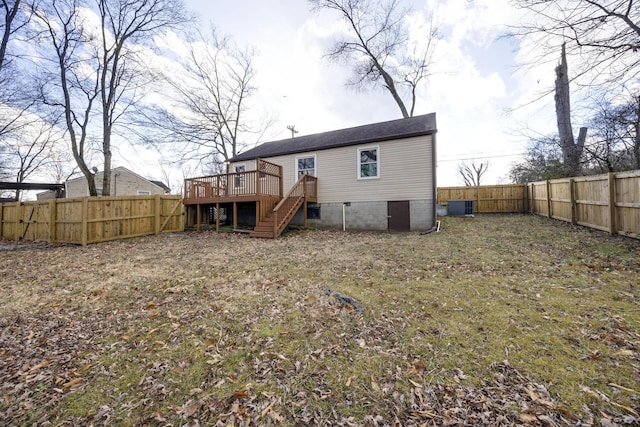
(516, 319)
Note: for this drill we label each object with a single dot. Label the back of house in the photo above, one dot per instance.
(380, 176)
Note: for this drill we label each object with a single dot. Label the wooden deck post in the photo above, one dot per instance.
(257, 212)
(275, 225)
(304, 207)
(217, 217)
(235, 215)
(612, 203)
(258, 168)
(305, 192)
(198, 215)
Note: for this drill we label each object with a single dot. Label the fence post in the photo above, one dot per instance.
(156, 219)
(84, 238)
(18, 217)
(548, 199)
(52, 220)
(572, 198)
(612, 203)
(1, 220)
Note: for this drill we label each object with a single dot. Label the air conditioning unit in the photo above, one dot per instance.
(460, 207)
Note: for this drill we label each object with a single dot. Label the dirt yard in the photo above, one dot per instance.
(496, 320)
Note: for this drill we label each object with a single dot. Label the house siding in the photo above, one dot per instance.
(405, 173)
(403, 176)
(123, 183)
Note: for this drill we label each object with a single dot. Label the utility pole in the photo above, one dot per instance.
(293, 130)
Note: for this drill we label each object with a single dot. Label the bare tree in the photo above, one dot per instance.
(571, 149)
(14, 19)
(605, 35)
(72, 85)
(209, 117)
(472, 174)
(30, 151)
(15, 103)
(125, 24)
(379, 47)
(98, 73)
(543, 161)
(615, 143)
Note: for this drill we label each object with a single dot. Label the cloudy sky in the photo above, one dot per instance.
(475, 86)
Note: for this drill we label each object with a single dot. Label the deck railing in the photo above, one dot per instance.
(265, 181)
(306, 186)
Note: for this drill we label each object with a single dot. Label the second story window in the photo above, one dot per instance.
(368, 162)
(306, 165)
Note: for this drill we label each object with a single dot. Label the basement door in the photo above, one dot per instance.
(398, 216)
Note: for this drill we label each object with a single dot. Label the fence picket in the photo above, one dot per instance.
(90, 219)
(608, 202)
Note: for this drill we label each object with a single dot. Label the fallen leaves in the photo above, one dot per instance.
(207, 329)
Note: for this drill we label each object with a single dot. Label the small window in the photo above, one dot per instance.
(239, 179)
(306, 165)
(368, 163)
(144, 193)
(313, 212)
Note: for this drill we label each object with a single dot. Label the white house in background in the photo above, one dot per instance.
(380, 176)
(123, 183)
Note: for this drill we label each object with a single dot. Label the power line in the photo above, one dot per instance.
(457, 159)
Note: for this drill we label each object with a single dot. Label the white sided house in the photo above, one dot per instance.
(123, 183)
(380, 176)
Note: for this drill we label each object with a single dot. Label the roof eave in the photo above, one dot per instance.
(240, 158)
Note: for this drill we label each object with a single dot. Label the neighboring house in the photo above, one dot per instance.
(123, 183)
(380, 176)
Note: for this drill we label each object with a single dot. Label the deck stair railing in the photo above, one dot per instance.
(285, 210)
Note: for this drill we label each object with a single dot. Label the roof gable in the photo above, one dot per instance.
(122, 169)
(384, 131)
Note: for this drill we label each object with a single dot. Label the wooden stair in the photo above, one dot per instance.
(274, 223)
(264, 229)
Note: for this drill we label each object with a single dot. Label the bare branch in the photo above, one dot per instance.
(378, 47)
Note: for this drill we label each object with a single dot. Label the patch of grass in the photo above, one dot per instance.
(213, 326)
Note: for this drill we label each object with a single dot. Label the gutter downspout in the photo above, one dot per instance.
(344, 215)
(434, 168)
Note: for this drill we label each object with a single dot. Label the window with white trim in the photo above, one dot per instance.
(306, 165)
(144, 193)
(368, 162)
(239, 179)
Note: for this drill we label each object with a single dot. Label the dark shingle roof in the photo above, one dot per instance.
(161, 185)
(395, 129)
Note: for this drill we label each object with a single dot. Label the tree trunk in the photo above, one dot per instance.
(636, 140)
(571, 152)
(106, 175)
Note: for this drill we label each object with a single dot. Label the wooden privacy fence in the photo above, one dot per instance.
(510, 198)
(91, 219)
(609, 202)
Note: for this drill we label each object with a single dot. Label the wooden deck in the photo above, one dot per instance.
(264, 187)
(247, 186)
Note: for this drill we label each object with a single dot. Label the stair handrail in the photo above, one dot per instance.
(300, 183)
